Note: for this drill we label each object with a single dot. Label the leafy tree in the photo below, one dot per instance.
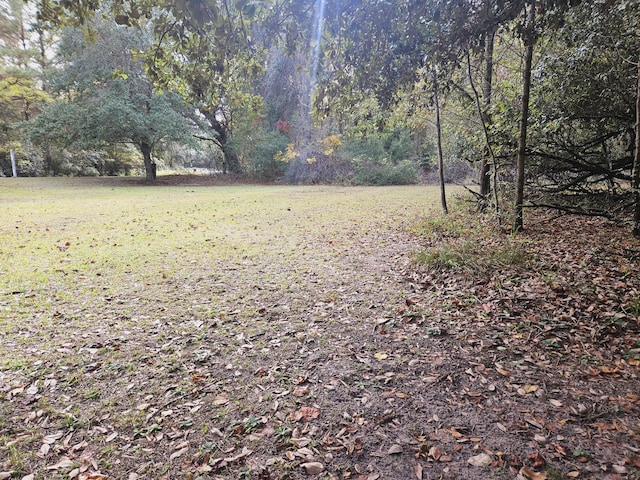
(203, 50)
(107, 98)
(21, 95)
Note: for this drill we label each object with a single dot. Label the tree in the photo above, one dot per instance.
(21, 95)
(203, 50)
(107, 98)
(529, 41)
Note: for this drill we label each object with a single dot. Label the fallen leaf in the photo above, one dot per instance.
(574, 474)
(395, 449)
(178, 453)
(380, 356)
(417, 470)
(531, 475)
(92, 476)
(65, 462)
(44, 450)
(538, 460)
(300, 391)
(435, 453)
(4, 475)
(49, 439)
(503, 372)
(31, 476)
(220, 400)
(313, 468)
(482, 460)
(633, 461)
(304, 413)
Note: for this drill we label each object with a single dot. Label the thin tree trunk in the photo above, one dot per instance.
(485, 178)
(443, 193)
(636, 164)
(524, 117)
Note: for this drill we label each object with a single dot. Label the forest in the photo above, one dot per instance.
(533, 101)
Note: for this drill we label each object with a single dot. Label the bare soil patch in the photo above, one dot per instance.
(323, 351)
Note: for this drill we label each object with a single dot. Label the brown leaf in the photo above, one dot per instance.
(633, 461)
(481, 460)
(538, 460)
(49, 439)
(300, 391)
(65, 462)
(417, 470)
(395, 449)
(313, 468)
(531, 475)
(435, 453)
(178, 453)
(304, 413)
(92, 476)
(220, 400)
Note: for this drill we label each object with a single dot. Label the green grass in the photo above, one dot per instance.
(460, 243)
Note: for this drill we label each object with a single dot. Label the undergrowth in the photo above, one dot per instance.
(464, 242)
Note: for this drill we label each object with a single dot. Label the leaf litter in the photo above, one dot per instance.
(527, 372)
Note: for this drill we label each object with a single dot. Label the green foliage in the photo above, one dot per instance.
(382, 159)
(383, 172)
(260, 150)
(108, 101)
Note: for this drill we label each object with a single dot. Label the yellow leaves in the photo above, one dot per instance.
(330, 144)
(380, 356)
(288, 155)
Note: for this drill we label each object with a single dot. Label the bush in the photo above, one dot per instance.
(383, 172)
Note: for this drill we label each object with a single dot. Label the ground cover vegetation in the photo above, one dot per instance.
(535, 101)
(275, 332)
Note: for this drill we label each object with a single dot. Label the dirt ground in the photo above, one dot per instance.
(351, 362)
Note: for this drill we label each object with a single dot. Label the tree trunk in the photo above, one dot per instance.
(149, 165)
(485, 177)
(636, 164)
(230, 162)
(443, 196)
(48, 161)
(524, 117)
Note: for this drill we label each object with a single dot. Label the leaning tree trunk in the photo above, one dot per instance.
(443, 193)
(149, 165)
(636, 164)
(524, 117)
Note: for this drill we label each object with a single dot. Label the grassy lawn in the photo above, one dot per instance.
(121, 302)
(228, 331)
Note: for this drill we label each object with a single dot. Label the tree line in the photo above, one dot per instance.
(535, 101)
